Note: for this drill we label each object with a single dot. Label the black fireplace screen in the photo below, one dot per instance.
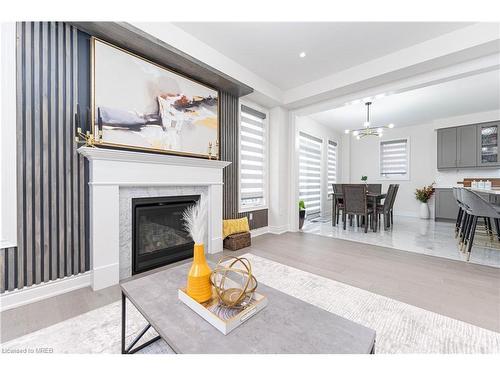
(158, 234)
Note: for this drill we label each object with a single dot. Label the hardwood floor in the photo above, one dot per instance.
(463, 291)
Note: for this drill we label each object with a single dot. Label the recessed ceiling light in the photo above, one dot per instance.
(302, 54)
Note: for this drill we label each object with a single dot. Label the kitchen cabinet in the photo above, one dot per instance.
(445, 205)
(468, 146)
(487, 152)
(447, 148)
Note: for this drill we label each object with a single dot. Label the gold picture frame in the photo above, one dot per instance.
(213, 148)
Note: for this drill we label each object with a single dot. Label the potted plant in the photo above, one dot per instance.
(364, 179)
(302, 213)
(423, 195)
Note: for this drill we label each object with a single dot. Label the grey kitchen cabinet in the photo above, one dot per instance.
(445, 205)
(466, 146)
(447, 148)
(487, 150)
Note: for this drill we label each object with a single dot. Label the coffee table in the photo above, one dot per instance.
(286, 325)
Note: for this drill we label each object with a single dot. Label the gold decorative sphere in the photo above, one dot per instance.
(233, 281)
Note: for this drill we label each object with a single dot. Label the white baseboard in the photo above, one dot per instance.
(280, 229)
(269, 229)
(105, 276)
(259, 231)
(19, 297)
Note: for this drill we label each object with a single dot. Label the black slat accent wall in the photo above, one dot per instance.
(52, 183)
(229, 152)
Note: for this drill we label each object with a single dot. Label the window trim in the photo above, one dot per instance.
(406, 177)
(328, 196)
(322, 160)
(264, 206)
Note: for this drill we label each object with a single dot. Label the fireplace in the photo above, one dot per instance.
(158, 236)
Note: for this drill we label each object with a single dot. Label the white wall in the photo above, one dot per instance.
(325, 133)
(364, 156)
(8, 217)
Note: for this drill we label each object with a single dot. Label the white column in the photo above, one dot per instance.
(215, 219)
(105, 235)
(279, 167)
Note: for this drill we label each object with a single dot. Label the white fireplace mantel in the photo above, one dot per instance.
(112, 169)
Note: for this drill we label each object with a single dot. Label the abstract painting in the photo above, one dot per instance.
(139, 104)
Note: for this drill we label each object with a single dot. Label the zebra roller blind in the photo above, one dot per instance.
(394, 158)
(310, 173)
(253, 171)
(332, 165)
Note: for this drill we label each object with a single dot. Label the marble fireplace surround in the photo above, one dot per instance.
(115, 177)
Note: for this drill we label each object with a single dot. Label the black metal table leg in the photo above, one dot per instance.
(124, 307)
(130, 349)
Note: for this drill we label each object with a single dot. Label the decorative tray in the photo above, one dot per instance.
(225, 319)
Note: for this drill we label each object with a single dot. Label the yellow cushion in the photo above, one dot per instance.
(233, 226)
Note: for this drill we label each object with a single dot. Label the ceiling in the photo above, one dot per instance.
(271, 49)
(472, 94)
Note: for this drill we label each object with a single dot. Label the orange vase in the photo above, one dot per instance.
(198, 284)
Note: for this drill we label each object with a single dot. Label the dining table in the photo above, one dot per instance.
(373, 198)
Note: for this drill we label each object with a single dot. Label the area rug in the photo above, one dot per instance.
(401, 328)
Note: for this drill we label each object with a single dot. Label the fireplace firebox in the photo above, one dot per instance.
(158, 234)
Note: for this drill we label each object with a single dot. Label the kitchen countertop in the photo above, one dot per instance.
(495, 191)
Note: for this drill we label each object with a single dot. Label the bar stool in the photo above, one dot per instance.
(476, 207)
(456, 193)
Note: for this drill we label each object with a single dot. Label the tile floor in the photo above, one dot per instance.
(415, 235)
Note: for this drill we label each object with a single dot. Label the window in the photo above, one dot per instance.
(394, 159)
(331, 165)
(253, 159)
(310, 173)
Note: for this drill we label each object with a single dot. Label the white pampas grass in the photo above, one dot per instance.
(194, 218)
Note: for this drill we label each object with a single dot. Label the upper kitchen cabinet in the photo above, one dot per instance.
(487, 152)
(466, 146)
(447, 148)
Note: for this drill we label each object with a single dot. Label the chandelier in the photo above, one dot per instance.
(367, 129)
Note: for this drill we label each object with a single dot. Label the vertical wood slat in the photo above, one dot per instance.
(20, 168)
(37, 140)
(45, 154)
(60, 154)
(3, 270)
(54, 244)
(27, 151)
(11, 267)
(74, 158)
(68, 143)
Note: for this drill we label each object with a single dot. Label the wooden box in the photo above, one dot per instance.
(237, 241)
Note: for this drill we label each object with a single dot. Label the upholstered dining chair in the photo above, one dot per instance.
(339, 201)
(393, 199)
(374, 188)
(355, 203)
(384, 209)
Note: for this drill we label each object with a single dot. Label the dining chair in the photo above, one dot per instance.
(393, 199)
(355, 203)
(338, 202)
(374, 188)
(385, 208)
